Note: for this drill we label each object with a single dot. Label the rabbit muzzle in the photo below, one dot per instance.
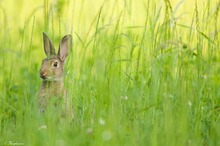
(43, 75)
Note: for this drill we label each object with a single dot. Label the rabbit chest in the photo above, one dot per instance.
(51, 92)
(51, 89)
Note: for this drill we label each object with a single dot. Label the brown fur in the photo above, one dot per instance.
(51, 73)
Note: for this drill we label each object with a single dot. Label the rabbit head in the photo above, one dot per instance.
(52, 67)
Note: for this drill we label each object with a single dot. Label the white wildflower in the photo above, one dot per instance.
(42, 127)
(190, 103)
(101, 121)
(89, 131)
(204, 76)
(106, 135)
(124, 97)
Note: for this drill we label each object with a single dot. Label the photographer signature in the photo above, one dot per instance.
(8, 143)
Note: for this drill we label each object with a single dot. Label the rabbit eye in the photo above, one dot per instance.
(55, 64)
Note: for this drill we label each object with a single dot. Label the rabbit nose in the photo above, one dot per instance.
(43, 74)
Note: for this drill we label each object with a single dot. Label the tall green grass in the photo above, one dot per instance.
(139, 73)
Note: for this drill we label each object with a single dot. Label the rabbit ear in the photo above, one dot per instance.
(65, 45)
(48, 46)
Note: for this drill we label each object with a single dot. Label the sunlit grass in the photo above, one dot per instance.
(139, 73)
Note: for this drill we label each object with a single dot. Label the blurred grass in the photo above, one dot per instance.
(140, 72)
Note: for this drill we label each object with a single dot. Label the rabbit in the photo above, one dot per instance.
(52, 73)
